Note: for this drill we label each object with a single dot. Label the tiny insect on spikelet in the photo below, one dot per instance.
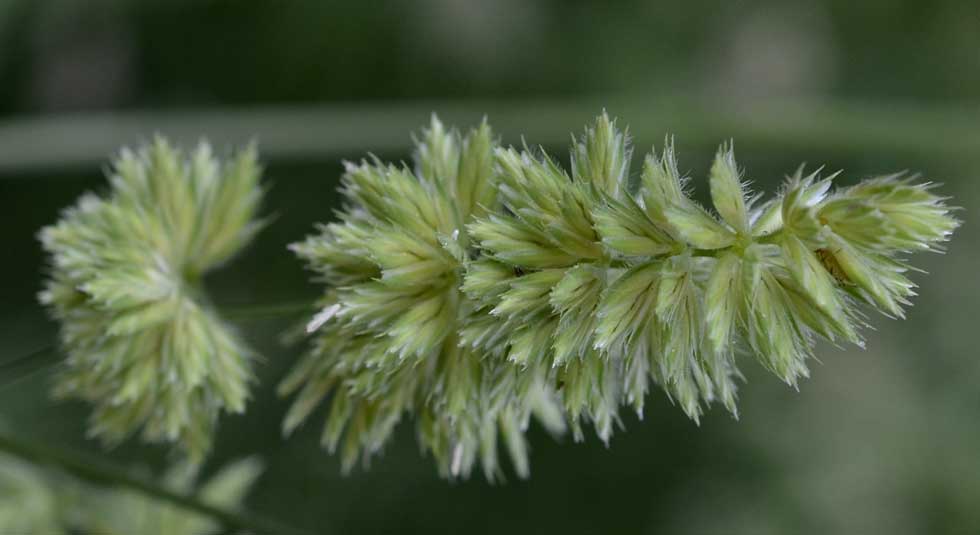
(143, 344)
(388, 337)
(579, 289)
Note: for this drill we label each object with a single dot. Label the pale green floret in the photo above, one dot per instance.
(489, 284)
(627, 231)
(143, 344)
(663, 195)
(576, 298)
(602, 156)
(727, 191)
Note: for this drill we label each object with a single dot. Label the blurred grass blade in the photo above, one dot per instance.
(103, 473)
(319, 132)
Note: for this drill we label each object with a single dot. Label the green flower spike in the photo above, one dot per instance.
(144, 346)
(491, 284)
(388, 339)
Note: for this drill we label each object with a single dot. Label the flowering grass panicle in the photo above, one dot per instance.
(387, 338)
(490, 283)
(143, 344)
(482, 287)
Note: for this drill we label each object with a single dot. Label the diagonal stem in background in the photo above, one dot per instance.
(100, 472)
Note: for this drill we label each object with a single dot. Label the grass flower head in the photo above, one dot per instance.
(143, 343)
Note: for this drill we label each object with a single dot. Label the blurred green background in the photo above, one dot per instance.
(881, 440)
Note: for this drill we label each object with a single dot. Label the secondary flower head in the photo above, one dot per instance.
(143, 344)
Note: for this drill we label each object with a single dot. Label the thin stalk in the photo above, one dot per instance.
(40, 354)
(20, 368)
(82, 141)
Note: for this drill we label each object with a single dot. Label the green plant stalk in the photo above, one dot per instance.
(326, 132)
(102, 473)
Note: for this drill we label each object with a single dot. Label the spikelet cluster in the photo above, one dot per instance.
(639, 283)
(543, 270)
(143, 344)
(389, 335)
(490, 283)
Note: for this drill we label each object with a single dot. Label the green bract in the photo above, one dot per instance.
(490, 283)
(144, 345)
